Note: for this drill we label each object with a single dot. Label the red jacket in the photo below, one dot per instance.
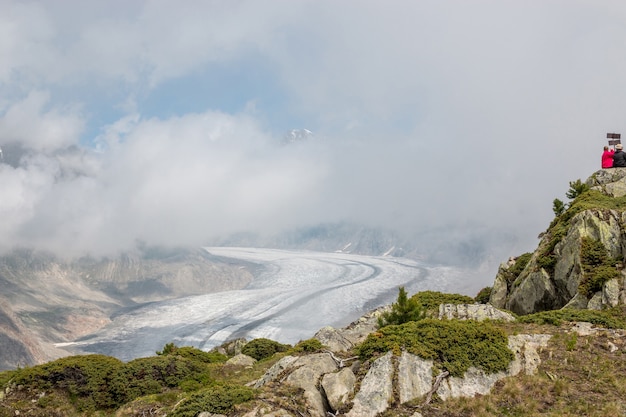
(607, 159)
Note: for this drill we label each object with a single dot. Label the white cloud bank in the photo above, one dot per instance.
(426, 114)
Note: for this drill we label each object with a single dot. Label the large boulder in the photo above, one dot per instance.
(376, 391)
(415, 377)
(338, 387)
(342, 340)
(610, 181)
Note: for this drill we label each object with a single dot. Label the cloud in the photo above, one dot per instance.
(32, 124)
(161, 122)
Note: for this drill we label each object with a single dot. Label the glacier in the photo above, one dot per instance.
(293, 294)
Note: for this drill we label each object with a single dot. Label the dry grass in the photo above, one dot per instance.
(578, 376)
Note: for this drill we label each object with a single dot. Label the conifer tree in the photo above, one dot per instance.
(405, 309)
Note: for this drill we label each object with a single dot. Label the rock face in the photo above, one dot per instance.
(338, 387)
(538, 288)
(342, 340)
(414, 377)
(241, 360)
(45, 300)
(473, 312)
(329, 387)
(609, 181)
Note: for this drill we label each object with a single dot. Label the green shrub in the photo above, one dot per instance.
(611, 319)
(98, 382)
(309, 345)
(200, 355)
(219, 399)
(90, 381)
(168, 349)
(483, 295)
(430, 300)
(192, 353)
(151, 375)
(520, 263)
(547, 262)
(594, 280)
(403, 310)
(597, 266)
(263, 348)
(558, 207)
(5, 376)
(454, 345)
(547, 258)
(570, 343)
(592, 253)
(576, 188)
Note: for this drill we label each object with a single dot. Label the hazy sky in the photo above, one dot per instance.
(162, 121)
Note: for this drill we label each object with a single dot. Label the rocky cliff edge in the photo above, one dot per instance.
(579, 262)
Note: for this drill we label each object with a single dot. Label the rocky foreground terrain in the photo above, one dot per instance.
(559, 365)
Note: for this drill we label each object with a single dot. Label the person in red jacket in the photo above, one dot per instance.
(607, 158)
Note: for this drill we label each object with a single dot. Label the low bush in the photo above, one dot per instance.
(192, 353)
(151, 375)
(430, 300)
(610, 319)
(454, 345)
(219, 399)
(90, 381)
(98, 382)
(262, 348)
(598, 267)
(308, 346)
(483, 295)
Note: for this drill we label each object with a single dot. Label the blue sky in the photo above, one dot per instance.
(160, 121)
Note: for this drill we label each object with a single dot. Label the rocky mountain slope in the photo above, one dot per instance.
(579, 262)
(45, 300)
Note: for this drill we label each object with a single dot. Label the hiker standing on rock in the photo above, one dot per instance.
(619, 157)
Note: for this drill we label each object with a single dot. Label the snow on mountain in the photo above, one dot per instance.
(297, 135)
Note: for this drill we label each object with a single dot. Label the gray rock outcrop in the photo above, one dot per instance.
(414, 377)
(307, 373)
(389, 379)
(342, 340)
(477, 312)
(338, 387)
(537, 289)
(376, 389)
(241, 360)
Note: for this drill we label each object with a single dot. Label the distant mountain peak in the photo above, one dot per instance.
(297, 135)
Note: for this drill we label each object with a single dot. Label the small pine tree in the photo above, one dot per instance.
(168, 349)
(576, 188)
(405, 309)
(558, 207)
